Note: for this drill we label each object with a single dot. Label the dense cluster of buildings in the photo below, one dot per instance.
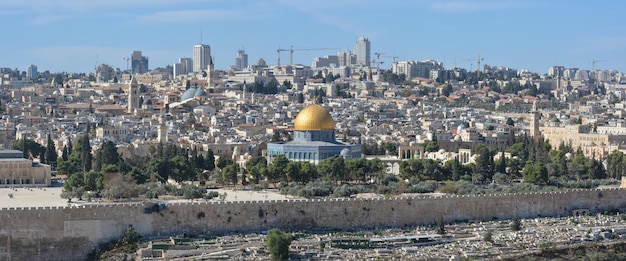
(195, 106)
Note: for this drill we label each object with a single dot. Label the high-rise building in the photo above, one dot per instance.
(346, 58)
(362, 51)
(556, 71)
(242, 60)
(31, 72)
(183, 67)
(178, 70)
(104, 73)
(187, 64)
(201, 57)
(139, 63)
(412, 69)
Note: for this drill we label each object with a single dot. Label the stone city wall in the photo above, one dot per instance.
(69, 233)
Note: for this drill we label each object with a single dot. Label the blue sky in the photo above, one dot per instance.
(74, 35)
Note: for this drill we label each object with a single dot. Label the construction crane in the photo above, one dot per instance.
(126, 59)
(378, 62)
(392, 57)
(291, 49)
(478, 60)
(593, 64)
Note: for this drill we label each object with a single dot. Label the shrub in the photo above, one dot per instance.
(348, 190)
(488, 237)
(278, 244)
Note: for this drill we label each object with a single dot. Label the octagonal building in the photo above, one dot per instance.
(313, 139)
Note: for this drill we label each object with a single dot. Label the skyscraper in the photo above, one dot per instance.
(183, 66)
(187, 64)
(139, 63)
(362, 51)
(31, 72)
(242, 60)
(201, 57)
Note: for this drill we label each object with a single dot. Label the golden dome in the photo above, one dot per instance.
(314, 117)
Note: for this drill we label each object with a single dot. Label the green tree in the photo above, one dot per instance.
(293, 172)
(510, 121)
(209, 160)
(535, 173)
(129, 241)
(223, 162)
(484, 167)
(447, 90)
(253, 166)
(441, 227)
(229, 174)
(180, 169)
(300, 97)
(190, 122)
(357, 169)
(107, 155)
(488, 237)
(51, 152)
(278, 244)
(278, 169)
(93, 181)
(616, 165)
(64, 153)
(431, 146)
(332, 168)
(29, 148)
(85, 151)
(158, 169)
(516, 224)
(308, 171)
(287, 84)
(272, 87)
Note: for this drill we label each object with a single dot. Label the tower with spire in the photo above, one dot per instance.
(133, 95)
(209, 71)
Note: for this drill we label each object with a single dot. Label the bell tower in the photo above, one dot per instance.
(133, 95)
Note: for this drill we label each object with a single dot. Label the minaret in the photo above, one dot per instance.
(133, 95)
(535, 133)
(162, 134)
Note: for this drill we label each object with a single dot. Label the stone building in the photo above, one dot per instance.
(15, 170)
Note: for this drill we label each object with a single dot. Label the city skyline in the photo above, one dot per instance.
(76, 36)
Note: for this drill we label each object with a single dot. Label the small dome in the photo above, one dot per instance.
(345, 153)
(261, 62)
(568, 156)
(460, 127)
(148, 102)
(188, 94)
(314, 117)
(200, 92)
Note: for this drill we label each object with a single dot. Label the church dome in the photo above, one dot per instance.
(201, 93)
(188, 94)
(314, 117)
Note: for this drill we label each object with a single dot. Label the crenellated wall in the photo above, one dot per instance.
(69, 233)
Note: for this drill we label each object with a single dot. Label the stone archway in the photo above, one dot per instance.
(410, 152)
